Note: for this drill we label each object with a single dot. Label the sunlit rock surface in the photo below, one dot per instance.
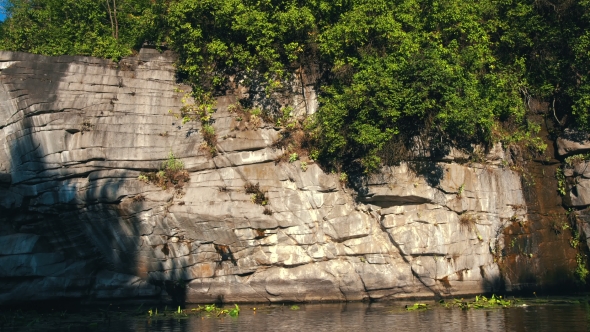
(76, 222)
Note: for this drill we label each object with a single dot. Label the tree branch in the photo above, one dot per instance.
(116, 21)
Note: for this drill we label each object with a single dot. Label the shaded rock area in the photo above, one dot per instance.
(573, 142)
(77, 223)
(575, 182)
(537, 250)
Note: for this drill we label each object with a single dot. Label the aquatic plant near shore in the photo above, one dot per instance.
(480, 302)
(417, 306)
(208, 310)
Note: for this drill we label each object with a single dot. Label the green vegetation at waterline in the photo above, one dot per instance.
(209, 310)
(388, 71)
(493, 302)
(417, 306)
(480, 302)
(101, 316)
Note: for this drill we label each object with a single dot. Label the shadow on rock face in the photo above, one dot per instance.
(81, 224)
(431, 171)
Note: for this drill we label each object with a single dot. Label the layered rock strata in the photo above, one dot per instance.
(77, 221)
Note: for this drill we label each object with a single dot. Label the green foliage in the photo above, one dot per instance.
(399, 64)
(303, 166)
(235, 311)
(201, 111)
(209, 310)
(581, 271)
(460, 190)
(561, 188)
(417, 306)
(575, 240)
(170, 175)
(172, 163)
(293, 157)
(103, 28)
(390, 70)
(574, 160)
(259, 39)
(343, 177)
(258, 196)
(480, 302)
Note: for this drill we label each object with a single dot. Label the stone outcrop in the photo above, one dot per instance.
(576, 177)
(77, 222)
(573, 142)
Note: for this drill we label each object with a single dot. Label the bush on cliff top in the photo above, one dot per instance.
(390, 70)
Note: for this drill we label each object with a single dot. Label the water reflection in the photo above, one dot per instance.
(378, 317)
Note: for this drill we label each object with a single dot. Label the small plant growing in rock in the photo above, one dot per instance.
(172, 164)
(560, 176)
(258, 197)
(303, 166)
(86, 126)
(467, 220)
(255, 119)
(293, 157)
(343, 177)
(581, 271)
(201, 111)
(267, 211)
(460, 190)
(576, 159)
(233, 107)
(575, 240)
(251, 188)
(210, 138)
(314, 155)
(171, 175)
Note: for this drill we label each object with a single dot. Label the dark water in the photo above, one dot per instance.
(361, 317)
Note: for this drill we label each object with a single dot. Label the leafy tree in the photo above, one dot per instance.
(428, 63)
(110, 29)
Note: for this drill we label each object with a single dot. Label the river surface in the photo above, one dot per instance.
(556, 316)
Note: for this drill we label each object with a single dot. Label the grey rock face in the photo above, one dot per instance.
(77, 222)
(572, 142)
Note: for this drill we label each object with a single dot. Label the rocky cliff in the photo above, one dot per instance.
(78, 222)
